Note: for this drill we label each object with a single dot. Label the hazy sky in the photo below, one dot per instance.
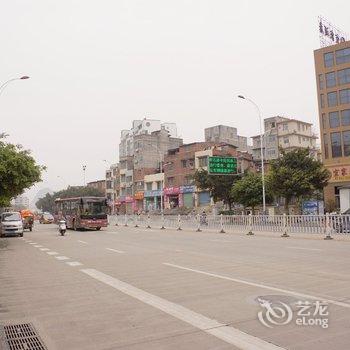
(97, 65)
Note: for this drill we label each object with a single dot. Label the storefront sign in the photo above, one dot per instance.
(139, 195)
(171, 190)
(129, 199)
(340, 173)
(187, 189)
(153, 193)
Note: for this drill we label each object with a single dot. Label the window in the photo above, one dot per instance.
(324, 121)
(344, 76)
(285, 126)
(122, 178)
(159, 185)
(342, 56)
(329, 59)
(336, 144)
(331, 80)
(188, 180)
(271, 152)
(285, 140)
(183, 163)
(325, 145)
(345, 117)
(272, 138)
(148, 186)
(332, 99)
(273, 125)
(203, 161)
(171, 181)
(346, 143)
(321, 81)
(322, 100)
(344, 96)
(334, 119)
(128, 179)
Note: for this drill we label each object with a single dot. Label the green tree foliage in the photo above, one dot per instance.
(18, 171)
(296, 174)
(47, 203)
(248, 191)
(218, 185)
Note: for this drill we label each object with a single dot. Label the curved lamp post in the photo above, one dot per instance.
(261, 149)
(4, 85)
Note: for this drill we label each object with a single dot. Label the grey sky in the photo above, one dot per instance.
(97, 65)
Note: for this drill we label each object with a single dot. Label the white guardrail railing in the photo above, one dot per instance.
(284, 224)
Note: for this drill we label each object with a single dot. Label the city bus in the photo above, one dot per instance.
(82, 212)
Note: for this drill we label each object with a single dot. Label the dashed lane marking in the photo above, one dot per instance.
(115, 250)
(62, 257)
(74, 263)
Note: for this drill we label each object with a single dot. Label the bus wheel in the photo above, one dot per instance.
(98, 228)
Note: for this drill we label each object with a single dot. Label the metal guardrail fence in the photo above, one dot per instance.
(285, 224)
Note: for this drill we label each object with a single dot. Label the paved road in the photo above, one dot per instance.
(128, 288)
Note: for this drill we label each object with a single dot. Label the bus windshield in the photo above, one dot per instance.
(94, 208)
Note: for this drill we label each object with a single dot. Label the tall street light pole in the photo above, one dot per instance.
(84, 170)
(261, 149)
(4, 85)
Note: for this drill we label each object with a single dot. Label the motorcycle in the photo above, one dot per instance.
(62, 227)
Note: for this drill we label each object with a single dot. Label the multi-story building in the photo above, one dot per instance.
(112, 186)
(153, 191)
(181, 164)
(141, 152)
(99, 185)
(226, 134)
(332, 65)
(284, 133)
(21, 202)
(139, 127)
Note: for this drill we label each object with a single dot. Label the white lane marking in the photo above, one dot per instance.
(74, 263)
(38, 246)
(226, 333)
(302, 248)
(259, 285)
(52, 253)
(44, 249)
(83, 242)
(115, 250)
(220, 240)
(32, 243)
(62, 257)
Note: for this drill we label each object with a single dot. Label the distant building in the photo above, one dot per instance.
(112, 186)
(141, 152)
(226, 134)
(99, 185)
(21, 202)
(284, 133)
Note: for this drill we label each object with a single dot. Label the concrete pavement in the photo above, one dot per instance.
(131, 288)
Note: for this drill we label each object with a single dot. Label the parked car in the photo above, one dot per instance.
(11, 224)
(46, 218)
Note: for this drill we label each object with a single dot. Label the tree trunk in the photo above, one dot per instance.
(286, 205)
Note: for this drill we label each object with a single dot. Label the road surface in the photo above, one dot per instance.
(138, 288)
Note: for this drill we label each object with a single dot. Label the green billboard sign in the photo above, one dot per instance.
(222, 165)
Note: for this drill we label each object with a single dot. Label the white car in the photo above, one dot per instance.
(11, 224)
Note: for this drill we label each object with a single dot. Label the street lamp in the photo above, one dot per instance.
(261, 149)
(84, 170)
(3, 86)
